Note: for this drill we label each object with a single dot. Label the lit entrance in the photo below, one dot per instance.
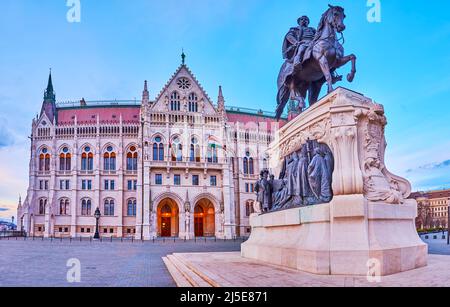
(204, 219)
(168, 218)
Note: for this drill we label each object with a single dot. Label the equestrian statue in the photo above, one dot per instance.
(311, 59)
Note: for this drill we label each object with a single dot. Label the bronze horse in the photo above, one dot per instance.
(324, 55)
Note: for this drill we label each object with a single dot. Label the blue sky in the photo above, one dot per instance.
(403, 63)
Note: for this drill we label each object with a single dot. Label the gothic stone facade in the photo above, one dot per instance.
(178, 166)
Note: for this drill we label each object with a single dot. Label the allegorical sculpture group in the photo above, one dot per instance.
(305, 179)
(311, 59)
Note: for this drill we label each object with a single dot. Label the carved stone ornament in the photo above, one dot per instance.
(353, 127)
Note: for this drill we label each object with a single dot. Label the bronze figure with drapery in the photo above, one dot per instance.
(305, 179)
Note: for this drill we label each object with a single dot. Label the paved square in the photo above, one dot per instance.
(103, 264)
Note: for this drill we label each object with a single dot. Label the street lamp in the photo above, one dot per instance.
(97, 217)
(448, 224)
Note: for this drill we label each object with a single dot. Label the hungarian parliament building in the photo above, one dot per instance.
(176, 166)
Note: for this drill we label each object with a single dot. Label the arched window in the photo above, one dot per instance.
(86, 207)
(158, 149)
(249, 165)
(42, 206)
(194, 153)
(177, 150)
(109, 207)
(212, 153)
(109, 159)
(65, 160)
(193, 102)
(249, 208)
(44, 160)
(131, 207)
(87, 159)
(47, 162)
(132, 159)
(41, 162)
(64, 207)
(175, 102)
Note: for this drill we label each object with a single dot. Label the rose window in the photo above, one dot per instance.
(184, 83)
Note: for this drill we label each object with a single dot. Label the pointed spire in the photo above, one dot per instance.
(49, 92)
(183, 57)
(145, 94)
(49, 104)
(221, 101)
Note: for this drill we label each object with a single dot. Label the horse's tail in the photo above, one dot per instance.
(283, 89)
(282, 99)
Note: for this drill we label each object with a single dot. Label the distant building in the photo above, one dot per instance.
(6, 226)
(177, 166)
(432, 208)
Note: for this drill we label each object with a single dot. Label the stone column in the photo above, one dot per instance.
(147, 203)
(74, 188)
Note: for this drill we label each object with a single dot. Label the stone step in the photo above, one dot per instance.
(179, 279)
(194, 279)
(209, 277)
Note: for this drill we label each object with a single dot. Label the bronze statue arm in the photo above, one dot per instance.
(292, 39)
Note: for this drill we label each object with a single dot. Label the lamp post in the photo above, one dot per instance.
(97, 217)
(448, 224)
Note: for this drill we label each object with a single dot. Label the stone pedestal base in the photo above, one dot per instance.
(348, 236)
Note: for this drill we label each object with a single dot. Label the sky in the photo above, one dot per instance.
(403, 63)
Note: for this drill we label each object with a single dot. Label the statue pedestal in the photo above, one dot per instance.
(369, 226)
(348, 236)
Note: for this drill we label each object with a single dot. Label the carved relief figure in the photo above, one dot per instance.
(319, 177)
(376, 185)
(263, 189)
(305, 178)
(379, 184)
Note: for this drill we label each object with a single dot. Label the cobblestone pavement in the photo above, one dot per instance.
(103, 264)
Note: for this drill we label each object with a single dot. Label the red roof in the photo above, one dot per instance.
(431, 194)
(106, 115)
(263, 121)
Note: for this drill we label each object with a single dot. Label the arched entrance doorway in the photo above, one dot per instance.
(204, 219)
(168, 218)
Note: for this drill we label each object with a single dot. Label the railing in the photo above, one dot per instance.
(84, 172)
(64, 173)
(12, 234)
(98, 103)
(131, 173)
(109, 173)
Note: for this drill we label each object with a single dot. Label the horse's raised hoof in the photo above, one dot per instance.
(351, 77)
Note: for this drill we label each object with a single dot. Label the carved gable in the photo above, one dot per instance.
(184, 93)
